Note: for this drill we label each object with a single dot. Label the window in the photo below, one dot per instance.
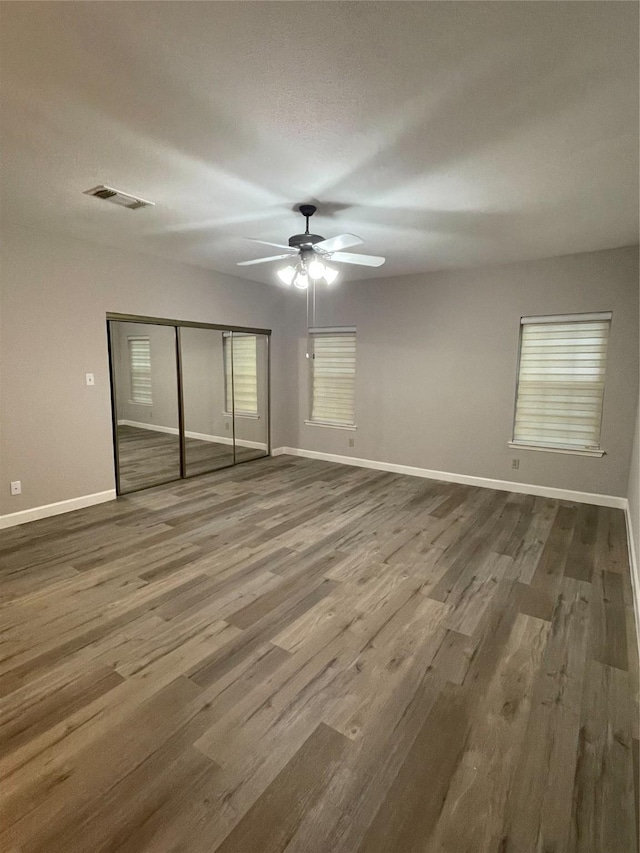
(561, 381)
(333, 375)
(243, 390)
(140, 370)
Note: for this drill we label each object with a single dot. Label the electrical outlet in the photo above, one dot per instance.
(352, 442)
(16, 487)
(89, 379)
(515, 463)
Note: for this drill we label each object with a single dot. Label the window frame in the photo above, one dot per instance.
(312, 333)
(132, 400)
(585, 317)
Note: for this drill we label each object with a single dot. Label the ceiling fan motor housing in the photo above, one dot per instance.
(299, 241)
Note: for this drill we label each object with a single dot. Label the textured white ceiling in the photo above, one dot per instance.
(445, 134)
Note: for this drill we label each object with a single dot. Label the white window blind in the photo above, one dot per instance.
(333, 376)
(243, 391)
(140, 370)
(561, 381)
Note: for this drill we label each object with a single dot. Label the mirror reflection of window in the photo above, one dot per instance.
(242, 389)
(140, 370)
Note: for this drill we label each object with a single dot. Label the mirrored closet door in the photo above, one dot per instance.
(208, 427)
(144, 381)
(187, 399)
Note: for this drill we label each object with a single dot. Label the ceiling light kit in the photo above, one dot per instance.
(311, 253)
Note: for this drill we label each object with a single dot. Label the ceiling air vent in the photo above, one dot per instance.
(118, 197)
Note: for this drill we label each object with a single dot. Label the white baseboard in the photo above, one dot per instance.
(224, 439)
(152, 427)
(464, 479)
(635, 572)
(36, 512)
(200, 436)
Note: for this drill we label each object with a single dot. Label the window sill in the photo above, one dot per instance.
(327, 425)
(242, 415)
(568, 450)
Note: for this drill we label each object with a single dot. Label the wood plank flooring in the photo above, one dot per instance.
(297, 656)
(148, 458)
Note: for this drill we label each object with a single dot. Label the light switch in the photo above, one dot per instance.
(89, 379)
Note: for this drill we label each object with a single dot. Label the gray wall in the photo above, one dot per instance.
(55, 432)
(436, 367)
(435, 375)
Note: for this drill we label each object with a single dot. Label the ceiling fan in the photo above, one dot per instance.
(311, 251)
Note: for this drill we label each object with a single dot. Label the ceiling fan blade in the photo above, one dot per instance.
(342, 241)
(266, 243)
(262, 260)
(363, 260)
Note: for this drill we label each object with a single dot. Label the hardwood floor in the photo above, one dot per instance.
(147, 457)
(297, 656)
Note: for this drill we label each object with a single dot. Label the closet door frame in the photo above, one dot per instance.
(177, 325)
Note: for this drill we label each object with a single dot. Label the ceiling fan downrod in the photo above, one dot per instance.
(307, 210)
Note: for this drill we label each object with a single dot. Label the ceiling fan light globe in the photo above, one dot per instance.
(316, 269)
(301, 281)
(330, 275)
(286, 274)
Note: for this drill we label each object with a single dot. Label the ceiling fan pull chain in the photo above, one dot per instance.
(313, 304)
